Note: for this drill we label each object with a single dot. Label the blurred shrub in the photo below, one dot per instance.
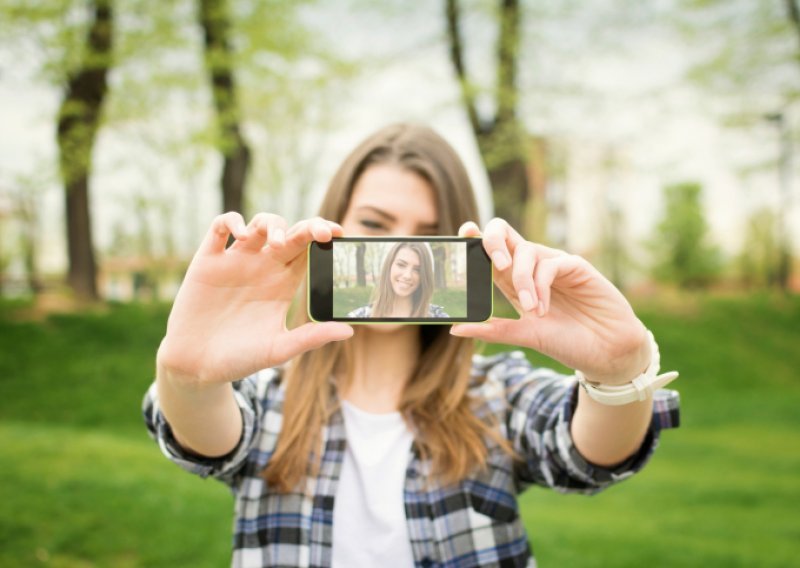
(759, 264)
(681, 250)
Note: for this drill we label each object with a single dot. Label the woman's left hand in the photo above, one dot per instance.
(568, 310)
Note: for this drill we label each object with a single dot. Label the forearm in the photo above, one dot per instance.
(204, 419)
(607, 435)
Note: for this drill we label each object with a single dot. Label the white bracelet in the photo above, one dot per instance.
(638, 389)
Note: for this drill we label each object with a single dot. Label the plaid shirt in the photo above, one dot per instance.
(473, 523)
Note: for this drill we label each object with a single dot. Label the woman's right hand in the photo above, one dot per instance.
(229, 317)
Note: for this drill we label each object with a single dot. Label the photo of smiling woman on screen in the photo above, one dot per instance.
(405, 285)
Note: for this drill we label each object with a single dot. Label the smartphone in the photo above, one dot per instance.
(421, 280)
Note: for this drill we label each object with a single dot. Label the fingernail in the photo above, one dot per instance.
(526, 300)
(278, 236)
(500, 259)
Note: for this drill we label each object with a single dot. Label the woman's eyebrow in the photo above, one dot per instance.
(392, 218)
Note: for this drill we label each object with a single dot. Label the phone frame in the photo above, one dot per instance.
(479, 265)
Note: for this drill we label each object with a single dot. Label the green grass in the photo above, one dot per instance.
(345, 300)
(81, 484)
(453, 301)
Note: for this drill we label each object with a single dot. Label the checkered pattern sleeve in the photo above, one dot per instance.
(436, 311)
(362, 312)
(538, 411)
(225, 468)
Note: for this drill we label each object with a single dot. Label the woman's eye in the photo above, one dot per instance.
(371, 224)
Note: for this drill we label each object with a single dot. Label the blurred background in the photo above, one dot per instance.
(656, 139)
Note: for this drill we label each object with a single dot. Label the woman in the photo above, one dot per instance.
(391, 444)
(405, 285)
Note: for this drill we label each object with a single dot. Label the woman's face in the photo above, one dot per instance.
(389, 200)
(404, 275)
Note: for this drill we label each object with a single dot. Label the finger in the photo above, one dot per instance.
(522, 275)
(262, 228)
(543, 251)
(500, 239)
(222, 227)
(469, 229)
(547, 271)
(305, 231)
(308, 336)
(496, 330)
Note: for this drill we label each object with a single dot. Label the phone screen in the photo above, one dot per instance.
(412, 279)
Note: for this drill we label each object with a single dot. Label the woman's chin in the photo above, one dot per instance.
(384, 327)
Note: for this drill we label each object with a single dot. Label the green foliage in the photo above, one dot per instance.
(745, 55)
(53, 33)
(752, 53)
(682, 252)
(760, 261)
(159, 110)
(81, 483)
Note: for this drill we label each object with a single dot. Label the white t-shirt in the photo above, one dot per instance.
(369, 519)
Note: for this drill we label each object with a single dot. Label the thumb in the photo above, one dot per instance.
(309, 336)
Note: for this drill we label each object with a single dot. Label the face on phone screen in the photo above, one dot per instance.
(411, 279)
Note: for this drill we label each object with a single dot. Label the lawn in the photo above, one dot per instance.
(82, 485)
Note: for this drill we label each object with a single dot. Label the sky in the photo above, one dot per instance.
(635, 110)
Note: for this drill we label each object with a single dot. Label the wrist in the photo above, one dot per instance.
(640, 388)
(625, 366)
(174, 373)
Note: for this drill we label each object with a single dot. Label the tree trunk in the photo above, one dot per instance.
(512, 198)
(78, 122)
(440, 267)
(501, 138)
(361, 273)
(785, 261)
(219, 62)
(793, 12)
(30, 248)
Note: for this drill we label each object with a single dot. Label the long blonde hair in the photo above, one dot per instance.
(384, 295)
(435, 399)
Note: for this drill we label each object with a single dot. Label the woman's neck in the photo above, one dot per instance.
(401, 307)
(383, 363)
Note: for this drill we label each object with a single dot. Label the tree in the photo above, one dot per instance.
(158, 113)
(683, 254)
(361, 274)
(78, 123)
(440, 267)
(751, 65)
(501, 135)
(760, 260)
(214, 20)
